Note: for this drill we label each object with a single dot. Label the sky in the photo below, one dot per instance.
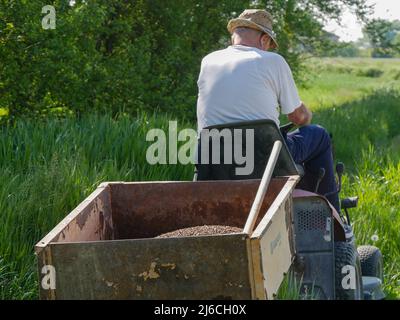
(351, 29)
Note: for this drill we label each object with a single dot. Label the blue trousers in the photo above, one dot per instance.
(311, 147)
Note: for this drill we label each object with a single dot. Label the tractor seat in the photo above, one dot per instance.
(266, 132)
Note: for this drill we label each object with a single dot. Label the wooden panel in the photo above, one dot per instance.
(143, 210)
(258, 290)
(210, 267)
(44, 258)
(272, 244)
(90, 221)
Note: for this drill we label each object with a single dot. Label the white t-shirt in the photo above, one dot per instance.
(243, 83)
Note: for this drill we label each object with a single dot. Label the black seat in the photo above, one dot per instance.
(266, 132)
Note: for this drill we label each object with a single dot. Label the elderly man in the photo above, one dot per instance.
(246, 82)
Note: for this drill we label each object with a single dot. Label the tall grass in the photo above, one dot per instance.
(47, 168)
(365, 123)
(376, 220)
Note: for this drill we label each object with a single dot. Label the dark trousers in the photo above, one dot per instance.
(311, 147)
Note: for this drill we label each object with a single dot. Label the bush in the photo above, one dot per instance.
(370, 73)
(107, 55)
(130, 55)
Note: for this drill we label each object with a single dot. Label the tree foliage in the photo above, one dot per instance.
(133, 55)
(384, 37)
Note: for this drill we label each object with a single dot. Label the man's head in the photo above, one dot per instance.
(252, 38)
(253, 28)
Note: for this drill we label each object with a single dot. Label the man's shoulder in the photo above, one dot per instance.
(216, 53)
(272, 56)
(266, 57)
(274, 63)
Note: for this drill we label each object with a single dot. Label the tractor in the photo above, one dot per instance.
(327, 263)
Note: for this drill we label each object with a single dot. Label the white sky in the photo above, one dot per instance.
(351, 29)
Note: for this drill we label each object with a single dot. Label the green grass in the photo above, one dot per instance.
(367, 139)
(47, 168)
(363, 114)
(333, 82)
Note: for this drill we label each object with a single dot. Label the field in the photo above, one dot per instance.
(48, 167)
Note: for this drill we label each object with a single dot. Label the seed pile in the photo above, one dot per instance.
(201, 231)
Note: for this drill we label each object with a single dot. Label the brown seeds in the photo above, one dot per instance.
(201, 231)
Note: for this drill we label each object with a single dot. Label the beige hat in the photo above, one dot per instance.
(256, 19)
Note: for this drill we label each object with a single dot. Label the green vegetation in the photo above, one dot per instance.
(114, 55)
(49, 166)
(335, 81)
(381, 39)
(384, 37)
(363, 114)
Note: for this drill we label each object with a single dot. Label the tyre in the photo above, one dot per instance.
(346, 256)
(371, 261)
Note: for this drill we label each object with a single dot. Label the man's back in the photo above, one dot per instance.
(244, 83)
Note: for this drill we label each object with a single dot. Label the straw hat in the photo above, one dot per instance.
(256, 19)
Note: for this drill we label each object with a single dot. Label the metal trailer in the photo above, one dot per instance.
(106, 248)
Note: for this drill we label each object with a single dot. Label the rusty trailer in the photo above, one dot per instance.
(106, 248)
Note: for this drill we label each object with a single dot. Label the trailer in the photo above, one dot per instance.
(107, 248)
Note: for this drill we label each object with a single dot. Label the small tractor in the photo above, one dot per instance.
(327, 262)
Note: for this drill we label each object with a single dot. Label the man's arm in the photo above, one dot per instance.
(288, 95)
(302, 116)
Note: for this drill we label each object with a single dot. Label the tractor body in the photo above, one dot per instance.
(327, 263)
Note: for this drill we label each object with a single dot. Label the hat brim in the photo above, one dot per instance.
(238, 22)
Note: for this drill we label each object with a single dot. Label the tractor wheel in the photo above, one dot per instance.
(346, 256)
(371, 261)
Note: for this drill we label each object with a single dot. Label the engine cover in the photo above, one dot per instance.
(314, 243)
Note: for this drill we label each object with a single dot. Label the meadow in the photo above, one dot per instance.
(49, 166)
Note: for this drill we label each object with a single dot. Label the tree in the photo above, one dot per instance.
(299, 24)
(384, 37)
(345, 49)
(111, 55)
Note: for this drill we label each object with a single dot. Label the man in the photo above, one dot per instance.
(246, 82)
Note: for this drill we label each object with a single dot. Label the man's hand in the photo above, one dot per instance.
(301, 116)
